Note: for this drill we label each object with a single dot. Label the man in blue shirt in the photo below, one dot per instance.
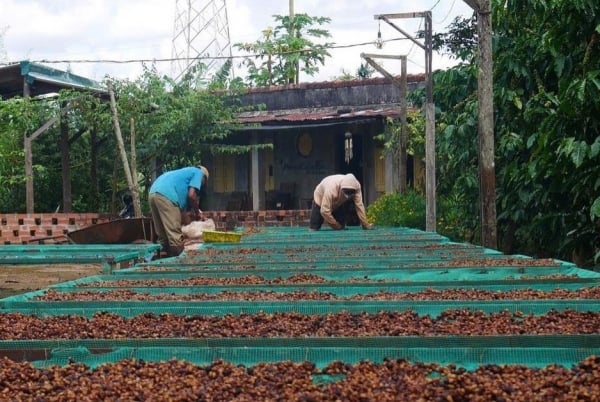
(171, 193)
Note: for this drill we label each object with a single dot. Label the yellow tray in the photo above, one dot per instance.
(221, 237)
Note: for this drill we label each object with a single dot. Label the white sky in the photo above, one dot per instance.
(143, 29)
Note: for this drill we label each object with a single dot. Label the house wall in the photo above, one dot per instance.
(325, 111)
(374, 91)
(298, 174)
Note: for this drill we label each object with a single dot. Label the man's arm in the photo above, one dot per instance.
(327, 213)
(194, 202)
(360, 211)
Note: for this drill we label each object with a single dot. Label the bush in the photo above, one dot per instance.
(397, 209)
(454, 219)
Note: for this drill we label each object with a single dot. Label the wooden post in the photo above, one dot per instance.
(120, 144)
(27, 142)
(65, 163)
(430, 207)
(430, 185)
(28, 174)
(135, 193)
(403, 140)
(485, 99)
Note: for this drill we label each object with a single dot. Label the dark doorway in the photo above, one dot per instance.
(354, 166)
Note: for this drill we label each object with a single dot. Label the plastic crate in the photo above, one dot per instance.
(221, 237)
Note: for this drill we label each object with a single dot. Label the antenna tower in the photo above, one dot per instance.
(201, 34)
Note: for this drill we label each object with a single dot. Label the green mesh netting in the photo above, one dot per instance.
(468, 352)
(407, 260)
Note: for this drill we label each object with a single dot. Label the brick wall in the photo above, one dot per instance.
(51, 228)
(223, 219)
(43, 228)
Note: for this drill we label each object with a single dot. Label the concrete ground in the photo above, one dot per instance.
(15, 279)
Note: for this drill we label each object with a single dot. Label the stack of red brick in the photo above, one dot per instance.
(43, 228)
(51, 228)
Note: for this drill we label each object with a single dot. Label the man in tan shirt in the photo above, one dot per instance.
(330, 201)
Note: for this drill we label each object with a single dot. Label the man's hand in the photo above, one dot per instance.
(370, 226)
(337, 226)
(186, 218)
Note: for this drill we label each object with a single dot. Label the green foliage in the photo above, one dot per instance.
(284, 51)
(459, 41)
(19, 116)
(365, 71)
(546, 102)
(457, 217)
(175, 124)
(415, 122)
(409, 210)
(395, 209)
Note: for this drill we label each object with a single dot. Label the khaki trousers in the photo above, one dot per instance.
(166, 217)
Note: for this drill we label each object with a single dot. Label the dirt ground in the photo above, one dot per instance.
(15, 279)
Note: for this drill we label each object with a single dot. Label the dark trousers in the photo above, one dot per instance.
(316, 219)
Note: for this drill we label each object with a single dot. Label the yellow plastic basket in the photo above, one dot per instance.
(221, 237)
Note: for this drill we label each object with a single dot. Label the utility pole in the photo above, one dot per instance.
(430, 212)
(485, 99)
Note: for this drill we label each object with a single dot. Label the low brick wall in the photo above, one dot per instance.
(46, 228)
(51, 228)
(223, 219)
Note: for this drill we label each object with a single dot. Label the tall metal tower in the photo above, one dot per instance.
(201, 34)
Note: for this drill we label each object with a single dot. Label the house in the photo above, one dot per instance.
(315, 129)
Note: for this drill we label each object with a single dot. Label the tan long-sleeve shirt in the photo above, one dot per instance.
(329, 196)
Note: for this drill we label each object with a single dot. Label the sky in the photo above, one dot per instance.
(82, 35)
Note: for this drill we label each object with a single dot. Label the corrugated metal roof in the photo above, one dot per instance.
(41, 79)
(324, 114)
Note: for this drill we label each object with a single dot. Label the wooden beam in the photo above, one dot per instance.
(379, 68)
(417, 14)
(473, 4)
(382, 56)
(44, 128)
(397, 28)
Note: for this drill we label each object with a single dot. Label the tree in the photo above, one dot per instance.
(175, 124)
(547, 94)
(279, 56)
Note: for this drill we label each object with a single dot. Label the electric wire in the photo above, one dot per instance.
(171, 59)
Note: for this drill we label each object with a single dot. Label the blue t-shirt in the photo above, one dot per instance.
(174, 184)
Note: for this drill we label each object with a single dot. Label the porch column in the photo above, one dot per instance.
(255, 175)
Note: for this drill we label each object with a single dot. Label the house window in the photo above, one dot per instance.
(224, 173)
(379, 170)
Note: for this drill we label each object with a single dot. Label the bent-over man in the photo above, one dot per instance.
(172, 193)
(331, 199)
